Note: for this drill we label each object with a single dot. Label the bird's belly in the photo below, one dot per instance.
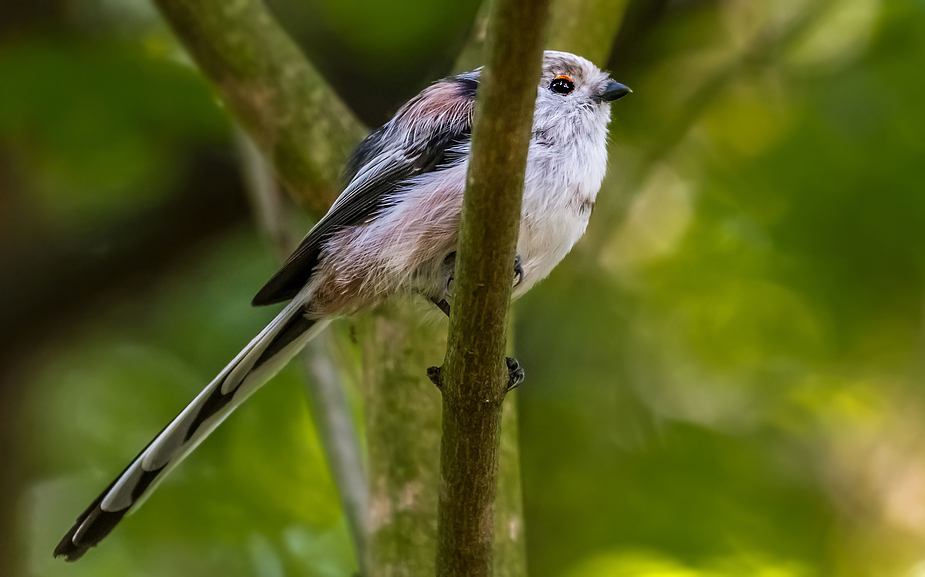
(544, 241)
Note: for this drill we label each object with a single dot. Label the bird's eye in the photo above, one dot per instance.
(562, 84)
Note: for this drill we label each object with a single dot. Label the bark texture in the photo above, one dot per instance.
(474, 377)
(403, 428)
(300, 125)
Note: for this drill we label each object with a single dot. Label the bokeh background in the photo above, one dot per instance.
(726, 378)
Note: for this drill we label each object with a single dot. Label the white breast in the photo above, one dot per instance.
(564, 175)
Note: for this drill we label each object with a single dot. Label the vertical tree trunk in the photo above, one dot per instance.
(474, 379)
(402, 410)
(403, 433)
(510, 558)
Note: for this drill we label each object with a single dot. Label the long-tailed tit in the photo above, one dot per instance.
(393, 230)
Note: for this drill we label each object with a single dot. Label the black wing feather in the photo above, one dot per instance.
(367, 195)
(298, 268)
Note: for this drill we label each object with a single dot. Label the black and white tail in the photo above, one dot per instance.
(255, 365)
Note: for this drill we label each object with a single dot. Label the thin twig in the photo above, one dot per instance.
(331, 413)
(325, 388)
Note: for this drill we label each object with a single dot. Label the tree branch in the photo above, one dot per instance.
(332, 416)
(474, 378)
(304, 130)
(766, 45)
(586, 27)
(402, 410)
(472, 54)
(267, 85)
(285, 105)
(330, 409)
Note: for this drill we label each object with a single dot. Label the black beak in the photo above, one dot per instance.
(614, 91)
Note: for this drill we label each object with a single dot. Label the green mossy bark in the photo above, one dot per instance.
(403, 424)
(403, 428)
(474, 377)
(286, 106)
(585, 27)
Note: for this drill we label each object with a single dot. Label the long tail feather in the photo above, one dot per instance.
(255, 365)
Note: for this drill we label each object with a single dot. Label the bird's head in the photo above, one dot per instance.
(571, 83)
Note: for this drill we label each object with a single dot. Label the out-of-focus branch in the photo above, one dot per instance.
(765, 48)
(331, 413)
(402, 411)
(325, 388)
(266, 198)
(586, 27)
(473, 53)
(306, 134)
(297, 122)
(474, 377)
(283, 103)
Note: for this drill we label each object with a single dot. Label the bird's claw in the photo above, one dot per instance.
(433, 373)
(518, 271)
(449, 265)
(515, 373)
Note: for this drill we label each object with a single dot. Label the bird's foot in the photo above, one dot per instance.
(449, 268)
(518, 271)
(435, 376)
(515, 373)
(449, 279)
(443, 306)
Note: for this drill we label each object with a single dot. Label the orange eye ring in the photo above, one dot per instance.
(562, 84)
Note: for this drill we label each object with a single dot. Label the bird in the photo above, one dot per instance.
(392, 231)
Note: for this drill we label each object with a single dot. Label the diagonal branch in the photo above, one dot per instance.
(474, 378)
(286, 106)
(330, 408)
(586, 27)
(306, 134)
(767, 44)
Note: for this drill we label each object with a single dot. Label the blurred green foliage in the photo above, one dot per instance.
(257, 494)
(724, 380)
(97, 126)
(747, 364)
